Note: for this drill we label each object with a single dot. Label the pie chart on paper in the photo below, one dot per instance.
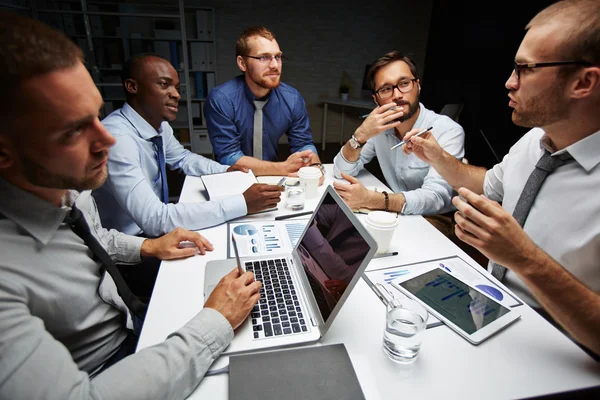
(245, 230)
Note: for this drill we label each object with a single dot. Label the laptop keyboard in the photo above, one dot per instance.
(278, 312)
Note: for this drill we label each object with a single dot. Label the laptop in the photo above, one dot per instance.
(303, 291)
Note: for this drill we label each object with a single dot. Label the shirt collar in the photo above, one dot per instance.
(39, 218)
(143, 128)
(586, 152)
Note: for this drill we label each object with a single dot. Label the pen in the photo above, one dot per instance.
(281, 181)
(237, 256)
(395, 253)
(418, 134)
(446, 268)
(366, 115)
(280, 217)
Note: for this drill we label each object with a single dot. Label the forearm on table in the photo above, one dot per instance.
(261, 167)
(376, 201)
(459, 174)
(572, 304)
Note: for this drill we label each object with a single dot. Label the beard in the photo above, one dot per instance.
(412, 109)
(268, 83)
(541, 110)
(40, 176)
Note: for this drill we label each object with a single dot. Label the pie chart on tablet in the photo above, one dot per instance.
(490, 290)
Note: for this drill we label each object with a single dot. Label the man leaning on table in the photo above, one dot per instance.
(134, 199)
(554, 89)
(247, 115)
(64, 329)
(418, 189)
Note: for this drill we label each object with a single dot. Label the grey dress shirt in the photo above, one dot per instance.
(425, 190)
(61, 318)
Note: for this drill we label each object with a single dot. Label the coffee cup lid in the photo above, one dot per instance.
(309, 172)
(382, 219)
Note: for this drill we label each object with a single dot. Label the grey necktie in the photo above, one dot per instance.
(544, 167)
(258, 129)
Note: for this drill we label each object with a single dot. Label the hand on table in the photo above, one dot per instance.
(354, 194)
(488, 227)
(168, 247)
(234, 296)
(261, 196)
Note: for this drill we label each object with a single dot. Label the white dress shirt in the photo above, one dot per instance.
(564, 220)
(130, 200)
(425, 190)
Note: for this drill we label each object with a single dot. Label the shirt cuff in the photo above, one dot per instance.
(234, 206)
(231, 159)
(130, 248)
(213, 327)
(409, 203)
(309, 147)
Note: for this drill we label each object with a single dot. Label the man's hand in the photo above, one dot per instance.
(234, 296)
(261, 196)
(425, 146)
(355, 194)
(169, 246)
(381, 119)
(296, 161)
(488, 227)
(237, 167)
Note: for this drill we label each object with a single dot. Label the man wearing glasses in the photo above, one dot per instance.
(548, 182)
(247, 115)
(418, 189)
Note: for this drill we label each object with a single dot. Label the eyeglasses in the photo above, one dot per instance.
(519, 67)
(266, 59)
(404, 86)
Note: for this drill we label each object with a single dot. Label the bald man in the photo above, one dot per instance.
(134, 199)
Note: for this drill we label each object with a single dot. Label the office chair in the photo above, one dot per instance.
(452, 110)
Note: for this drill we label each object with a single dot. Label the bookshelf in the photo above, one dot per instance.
(109, 32)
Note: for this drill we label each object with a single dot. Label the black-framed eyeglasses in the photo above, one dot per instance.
(404, 86)
(518, 67)
(266, 59)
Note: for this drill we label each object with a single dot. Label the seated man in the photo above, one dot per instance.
(247, 115)
(134, 199)
(63, 320)
(548, 182)
(417, 188)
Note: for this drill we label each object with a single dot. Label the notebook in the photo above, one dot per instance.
(316, 373)
(227, 184)
(303, 291)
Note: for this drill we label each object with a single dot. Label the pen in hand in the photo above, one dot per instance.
(415, 135)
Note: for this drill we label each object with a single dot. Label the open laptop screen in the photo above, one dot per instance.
(331, 251)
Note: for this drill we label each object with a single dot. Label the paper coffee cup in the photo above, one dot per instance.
(381, 225)
(310, 176)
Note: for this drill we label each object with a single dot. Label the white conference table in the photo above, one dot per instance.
(529, 358)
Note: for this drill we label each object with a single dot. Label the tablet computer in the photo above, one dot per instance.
(465, 309)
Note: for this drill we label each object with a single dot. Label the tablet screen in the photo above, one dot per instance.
(462, 305)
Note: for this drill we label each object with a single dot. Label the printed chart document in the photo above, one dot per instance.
(227, 184)
(258, 238)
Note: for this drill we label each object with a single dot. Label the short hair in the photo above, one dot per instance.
(29, 48)
(386, 59)
(241, 46)
(581, 40)
(133, 64)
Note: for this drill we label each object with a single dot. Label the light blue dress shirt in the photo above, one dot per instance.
(130, 200)
(425, 190)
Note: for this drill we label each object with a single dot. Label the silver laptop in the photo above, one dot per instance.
(303, 291)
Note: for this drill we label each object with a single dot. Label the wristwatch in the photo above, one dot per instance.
(321, 167)
(354, 143)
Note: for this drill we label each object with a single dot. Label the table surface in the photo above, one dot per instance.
(529, 358)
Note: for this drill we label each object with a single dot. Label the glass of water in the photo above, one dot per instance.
(295, 192)
(404, 328)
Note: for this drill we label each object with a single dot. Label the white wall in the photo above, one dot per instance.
(322, 41)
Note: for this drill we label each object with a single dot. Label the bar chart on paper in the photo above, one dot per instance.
(269, 237)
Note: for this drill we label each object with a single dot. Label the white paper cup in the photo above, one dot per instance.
(381, 225)
(310, 176)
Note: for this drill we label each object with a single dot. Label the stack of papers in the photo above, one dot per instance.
(227, 184)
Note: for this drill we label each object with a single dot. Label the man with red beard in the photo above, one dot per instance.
(548, 182)
(247, 115)
(417, 188)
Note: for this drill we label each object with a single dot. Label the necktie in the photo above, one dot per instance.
(78, 224)
(158, 146)
(258, 129)
(544, 167)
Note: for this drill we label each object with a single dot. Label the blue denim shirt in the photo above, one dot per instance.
(229, 112)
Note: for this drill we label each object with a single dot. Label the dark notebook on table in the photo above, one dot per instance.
(316, 373)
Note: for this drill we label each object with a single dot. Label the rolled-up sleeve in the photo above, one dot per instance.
(340, 164)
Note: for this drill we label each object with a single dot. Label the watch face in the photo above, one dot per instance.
(354, 143)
